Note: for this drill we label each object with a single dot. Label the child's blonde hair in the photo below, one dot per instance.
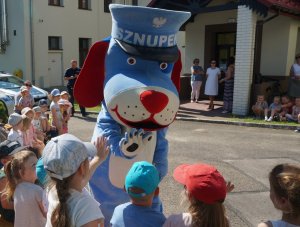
(26, 124)
(285, 182)
(60, 215)
(206, 215)
(13, 170)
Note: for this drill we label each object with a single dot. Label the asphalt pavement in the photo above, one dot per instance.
(244, 155)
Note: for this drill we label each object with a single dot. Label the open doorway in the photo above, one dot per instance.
(220, 45)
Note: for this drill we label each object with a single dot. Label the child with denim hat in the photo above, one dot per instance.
(141, 184)
(206, 190)
(66, 160)
(16, 121)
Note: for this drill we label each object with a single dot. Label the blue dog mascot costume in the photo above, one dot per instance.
(136, 76)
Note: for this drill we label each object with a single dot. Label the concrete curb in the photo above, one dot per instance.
(247, 124)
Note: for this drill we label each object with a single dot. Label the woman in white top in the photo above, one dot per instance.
(211, 86)
(294, 83)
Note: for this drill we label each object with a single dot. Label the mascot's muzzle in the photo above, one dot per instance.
(150, 108)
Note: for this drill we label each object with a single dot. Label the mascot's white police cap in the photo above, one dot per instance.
(146, 32)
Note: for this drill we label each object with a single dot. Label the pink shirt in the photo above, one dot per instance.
(29, 136)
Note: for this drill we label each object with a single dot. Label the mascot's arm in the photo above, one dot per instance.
(160, 159)
(109, 128)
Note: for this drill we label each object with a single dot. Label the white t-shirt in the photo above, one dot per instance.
(27, 198)
(81, 206)
(179, 220)
(15, 136)
(281, 223)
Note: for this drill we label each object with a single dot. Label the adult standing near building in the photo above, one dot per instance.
(213, 74)
(71, 75)
(229, 85)
(196, 79)
(294, 86)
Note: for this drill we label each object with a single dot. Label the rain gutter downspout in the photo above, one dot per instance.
(31, 41)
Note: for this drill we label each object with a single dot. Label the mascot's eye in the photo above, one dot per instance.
(131, 61)
(163, 65)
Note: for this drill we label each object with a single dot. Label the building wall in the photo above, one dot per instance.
(70, 23)
(14, 57)
(279, 43)
(195, 35)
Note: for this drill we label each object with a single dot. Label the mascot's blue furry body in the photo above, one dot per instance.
(136, 74)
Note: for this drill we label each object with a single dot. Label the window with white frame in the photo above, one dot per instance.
(123, 2)
(84, 4)
(55, 2)
(54, 43)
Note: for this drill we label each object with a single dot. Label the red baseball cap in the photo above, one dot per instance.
(202, 181)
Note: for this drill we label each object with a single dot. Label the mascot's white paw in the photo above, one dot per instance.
(134, 142)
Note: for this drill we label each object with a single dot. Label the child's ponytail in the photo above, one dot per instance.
(13, 171)
(60, 215)
(207, 215)
(11, 181)
(285, 181)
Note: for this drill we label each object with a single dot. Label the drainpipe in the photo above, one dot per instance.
(31, 41)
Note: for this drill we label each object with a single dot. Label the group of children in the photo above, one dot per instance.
(64, 199)
(282, 109)
(31, 124)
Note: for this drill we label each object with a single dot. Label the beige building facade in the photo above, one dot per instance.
(43, 36)
(262, 35)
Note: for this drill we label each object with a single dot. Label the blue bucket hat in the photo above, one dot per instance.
(149, 33)
(55, 92)
(142, 175)
(43, 102)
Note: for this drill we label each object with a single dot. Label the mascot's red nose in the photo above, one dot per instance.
(154, 101)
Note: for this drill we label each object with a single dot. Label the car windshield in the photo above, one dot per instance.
(10, 82)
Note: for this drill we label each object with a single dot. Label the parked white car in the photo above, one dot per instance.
(10, 85)
(6, 107)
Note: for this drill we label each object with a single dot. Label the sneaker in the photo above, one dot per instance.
(297, 130)
(84, 114)
(196, 101)
(224, 111)
(266, 118)
(192, 100)
(270, 119)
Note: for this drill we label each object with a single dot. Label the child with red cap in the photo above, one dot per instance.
(206, 190)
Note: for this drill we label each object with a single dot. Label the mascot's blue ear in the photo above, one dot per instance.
(88, 90)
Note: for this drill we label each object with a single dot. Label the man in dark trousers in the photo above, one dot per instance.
(70, 75)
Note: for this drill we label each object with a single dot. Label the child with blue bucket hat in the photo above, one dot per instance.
(141, 184)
